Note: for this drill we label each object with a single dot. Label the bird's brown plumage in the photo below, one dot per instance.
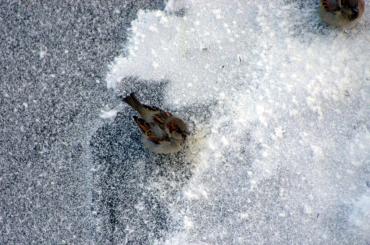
(342, 13)
(162, 131)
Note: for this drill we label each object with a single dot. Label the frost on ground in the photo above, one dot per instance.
(283, 154)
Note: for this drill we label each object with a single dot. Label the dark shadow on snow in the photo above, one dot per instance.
(128, 205)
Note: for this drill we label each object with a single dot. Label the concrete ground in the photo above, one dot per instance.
(58, 175)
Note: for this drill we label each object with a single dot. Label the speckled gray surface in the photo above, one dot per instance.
(277, 103)
(54, 56)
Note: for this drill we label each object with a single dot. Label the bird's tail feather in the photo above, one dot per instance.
(132, 101)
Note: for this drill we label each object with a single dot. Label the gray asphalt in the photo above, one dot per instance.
(67, 176)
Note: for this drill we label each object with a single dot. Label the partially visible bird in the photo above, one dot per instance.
(342, 13)
(162, 132)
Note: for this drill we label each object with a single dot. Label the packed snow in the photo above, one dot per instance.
(281, 152)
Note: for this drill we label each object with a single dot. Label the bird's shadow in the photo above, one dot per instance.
(126, 198)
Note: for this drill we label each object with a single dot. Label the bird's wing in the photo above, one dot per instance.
(147, 130)
(161, 118)
(331, 5)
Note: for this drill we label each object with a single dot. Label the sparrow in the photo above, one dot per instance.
(162, 132)
(342, 13)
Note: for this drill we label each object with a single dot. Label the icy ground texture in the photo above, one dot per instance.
(283, 157)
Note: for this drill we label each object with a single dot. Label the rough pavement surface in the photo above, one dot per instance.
(54, 56)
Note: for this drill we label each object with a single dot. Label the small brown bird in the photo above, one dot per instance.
(342, 13)
(162, 132)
